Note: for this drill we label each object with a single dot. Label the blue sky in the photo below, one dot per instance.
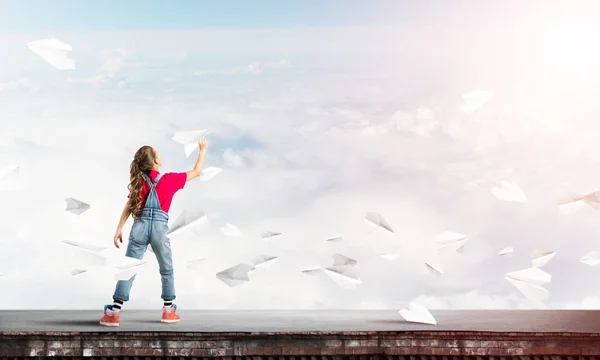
(68, 15)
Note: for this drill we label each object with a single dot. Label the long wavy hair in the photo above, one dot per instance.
(142, 163)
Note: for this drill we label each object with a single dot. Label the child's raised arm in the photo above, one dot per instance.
(195, 172)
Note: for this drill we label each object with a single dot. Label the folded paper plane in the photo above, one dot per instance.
(418, 314)
(474, 100)
(334, 239)
(378, 221)
(507, 191)
(451, 241)
(235, 275)
(230, 230)
(54, 52)
(507, 251)
(189, 139)
(389, 256)
(539, 259)
(591, 258)
(270, 235)
(75, 206)
(9, 178)
(264, 261)
(434, 269)
(312, 269)
(339, 259)
(87, 253)
(128, 267)
(530, 282)
(209, 173)
(187, 219)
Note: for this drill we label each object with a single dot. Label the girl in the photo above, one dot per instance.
(149, 201)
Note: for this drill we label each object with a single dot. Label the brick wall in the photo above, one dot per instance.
(310, 345)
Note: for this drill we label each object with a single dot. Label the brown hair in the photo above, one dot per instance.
(142, 163)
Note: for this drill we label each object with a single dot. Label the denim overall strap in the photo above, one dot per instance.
(152, 200)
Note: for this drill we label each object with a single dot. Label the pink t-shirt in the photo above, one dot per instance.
(167, 186)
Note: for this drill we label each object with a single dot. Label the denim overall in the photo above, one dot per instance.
(150, 228)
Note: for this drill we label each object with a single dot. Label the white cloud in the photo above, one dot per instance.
(306, 150)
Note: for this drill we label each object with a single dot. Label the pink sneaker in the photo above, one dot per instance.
(111, 317)
(169, 315)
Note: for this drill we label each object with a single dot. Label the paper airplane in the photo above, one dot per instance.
(312, 269)
(76, 272)
(376, 219)
(76, 206)
(418, 314)
(2, 274)
(573, 203)
(390, 256)
(264, 261)
(90, 257)
(189, 140)
(507, 251)
(270, 235)
(344, 275)
(230, 230)
(194, 262)
(186, 220)
(334, 239)
(541, 258)
(509, 192)
(9, 178)
(53, 52)
(235, 275)
(209, 173)
(434, 269)
(128, 267)
(529, 282)
(474, 100)
(591, 258)
(339, 259)
(90, 247)
(449, 240)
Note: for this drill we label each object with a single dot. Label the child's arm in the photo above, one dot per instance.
(124, 216)
(195, 172)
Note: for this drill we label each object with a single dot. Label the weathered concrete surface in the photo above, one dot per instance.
(583, 321)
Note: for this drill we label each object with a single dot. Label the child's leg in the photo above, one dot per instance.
(136, 248)
(161, 245)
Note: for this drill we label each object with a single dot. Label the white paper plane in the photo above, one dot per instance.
(90, 257)
(90, 247)
(189, 139)
(9, 178)
(53, 52)
(592, 258)
(2, 274)
(507, 251)
(390, 256)
(418, 314)
(530, 282)
(541, 258)
(209, 173)
(574, 203)
(128, 267)
(75, 206)
(509, 192)
(345, 276)
(270, 235)
(186, 220)
(449, 240)
(312, 269)
(334, 239)
(194, 262)
(76, 272)
(474, 100)
(264, 261)
(230, 230)
(343, 260)
(434, 269)
(235, 275)
(376, 219)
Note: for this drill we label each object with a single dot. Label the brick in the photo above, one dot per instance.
(173, 344)
(333, 343)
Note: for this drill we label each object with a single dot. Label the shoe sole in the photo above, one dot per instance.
(109, 324)
(169, 321)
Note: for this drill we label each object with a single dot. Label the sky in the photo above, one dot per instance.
(319, 112)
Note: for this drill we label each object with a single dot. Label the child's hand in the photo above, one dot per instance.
(118, 237)
(202, 144)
